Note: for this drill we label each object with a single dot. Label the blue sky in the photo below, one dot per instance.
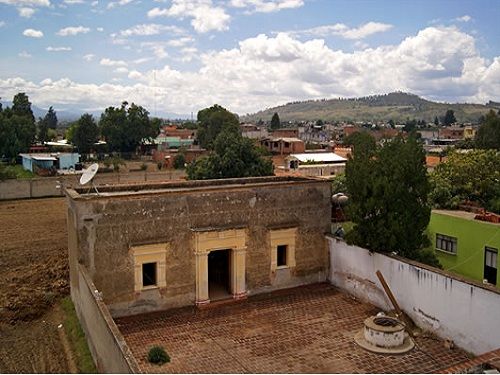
(182, 55)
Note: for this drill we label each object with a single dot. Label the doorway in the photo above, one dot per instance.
(219, 286)
(490, 265)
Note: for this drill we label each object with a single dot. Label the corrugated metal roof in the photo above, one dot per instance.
(319, 157)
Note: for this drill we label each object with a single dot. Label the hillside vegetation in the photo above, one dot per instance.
(397, 106)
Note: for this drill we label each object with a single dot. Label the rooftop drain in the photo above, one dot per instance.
(385, 335)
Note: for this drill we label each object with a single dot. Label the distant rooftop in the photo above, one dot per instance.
(319, 157)
(462, 215)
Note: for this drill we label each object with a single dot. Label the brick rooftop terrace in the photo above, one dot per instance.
(302, 330)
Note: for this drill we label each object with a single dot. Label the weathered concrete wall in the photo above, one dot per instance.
(107, 345)
(47, 186)
(445, 304)
(109, 226)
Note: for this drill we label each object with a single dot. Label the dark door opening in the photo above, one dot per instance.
(490, 265)
(218, 274)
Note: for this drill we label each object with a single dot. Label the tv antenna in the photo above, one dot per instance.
(88, 176)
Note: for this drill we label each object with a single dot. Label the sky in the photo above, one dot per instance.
(179, 56)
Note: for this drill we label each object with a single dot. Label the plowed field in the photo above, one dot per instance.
(33, 275)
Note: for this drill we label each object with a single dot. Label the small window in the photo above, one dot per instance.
(491, 257)
(281, 258)
(446, 243)
(148, 274)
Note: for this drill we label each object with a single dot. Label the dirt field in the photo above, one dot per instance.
(33, 276)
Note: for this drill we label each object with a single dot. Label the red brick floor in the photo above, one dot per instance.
(303, 330)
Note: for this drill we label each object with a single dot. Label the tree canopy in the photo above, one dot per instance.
(231, 154)
(449, 118)
(473, 176)
(85, 133)
(126, 127)
(17, 127)
(275, 121)
(212, 121)
(488, 134)
(362, 143)
(388, 190)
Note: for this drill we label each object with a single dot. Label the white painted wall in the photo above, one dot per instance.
(469, 314)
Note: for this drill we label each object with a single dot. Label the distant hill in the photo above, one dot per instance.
(397, 106)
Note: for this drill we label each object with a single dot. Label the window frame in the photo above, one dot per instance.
(446, 244)
(153, 253)
(278, 265)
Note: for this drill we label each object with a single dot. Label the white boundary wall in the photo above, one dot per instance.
(448, 305)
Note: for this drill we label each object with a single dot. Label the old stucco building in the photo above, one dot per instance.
(157, 246)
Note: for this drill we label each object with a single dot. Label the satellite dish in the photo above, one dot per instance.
(88, 175)
(340, 199)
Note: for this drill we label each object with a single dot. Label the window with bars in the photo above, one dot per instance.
(446, 243)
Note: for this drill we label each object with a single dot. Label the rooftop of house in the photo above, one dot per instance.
(187, 186)
(318, 157)
(309, 329)
(46, 156)
(463, 215)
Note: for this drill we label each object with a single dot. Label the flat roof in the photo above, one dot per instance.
(318, 157)
(463, 215)
(107, 191)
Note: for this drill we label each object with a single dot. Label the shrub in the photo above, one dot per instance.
(144, 166)
(158, 355)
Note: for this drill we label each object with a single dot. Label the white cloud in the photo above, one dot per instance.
(26, 12)
(109, 62)
(71, 2)
(121, 70)
(180, 42)
(88, 57)
(437, 63)
(100, 29)
(58, 49)
(149, 29)
(345, 31)
(465, 18)
(33, 33)
(73, 30)
(205, 16)
(26, 3)
(24, 54)
(266, 6)
(113, 4)
(2, 23)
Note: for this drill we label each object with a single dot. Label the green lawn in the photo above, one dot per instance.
(14, 171)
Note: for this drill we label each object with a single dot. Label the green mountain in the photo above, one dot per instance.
(397, 106)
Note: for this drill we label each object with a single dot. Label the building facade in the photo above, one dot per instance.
(465, 245)
(158, 246)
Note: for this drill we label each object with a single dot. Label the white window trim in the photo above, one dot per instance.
(283, 237)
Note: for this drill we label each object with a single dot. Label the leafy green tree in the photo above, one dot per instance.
(488, 134)
(362, 143)
(388, 190)
(320, 122)
(179, 161)
(391, 123)
(449, 118)
(85, 133)
(473, 176)
(275, 121)
(212, 121)
(43, 131)
(339, 184)
(232, 156)
(125, 128)
(410, 125)
(17, 127)
(436, 121)
(51, 118)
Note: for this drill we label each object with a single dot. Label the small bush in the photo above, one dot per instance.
(158, 355)
(144, 166)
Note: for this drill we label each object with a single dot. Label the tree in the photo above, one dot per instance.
(51, 118)
(449, 118)
(275, 122)
(85, 133)
(472, 176)
(436, 121)
(362, 143)
(125, 128)
(212, 121)
(232, 156)
(488, 134)
(179, 161)
(410, 125)
(17, 127)
(388, 190)
(43, 131)
(391, 123)
(320, 122)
